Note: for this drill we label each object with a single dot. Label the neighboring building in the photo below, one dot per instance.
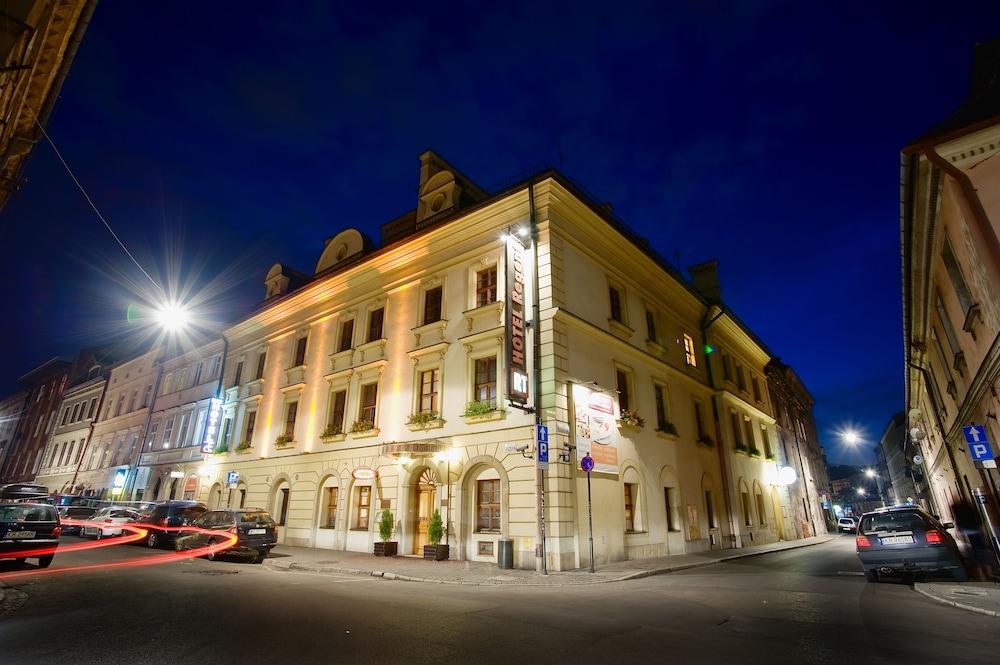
(71, 435)
(38, 41)
(11, 409)
(44, 385)
(400, 378)
(951, 309)
(115, 435)
(897, 453)
(811, 496)
(189, 382)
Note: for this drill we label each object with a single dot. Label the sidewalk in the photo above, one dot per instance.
(476, 573)
(980, 597)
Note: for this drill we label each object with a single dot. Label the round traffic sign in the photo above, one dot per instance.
(587, 463)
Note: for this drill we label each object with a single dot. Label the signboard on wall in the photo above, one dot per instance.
(517, 366)
(595, 431)
(211, 437)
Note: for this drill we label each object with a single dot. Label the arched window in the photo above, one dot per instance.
(758, 496)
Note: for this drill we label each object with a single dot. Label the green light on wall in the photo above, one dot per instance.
(708, 349)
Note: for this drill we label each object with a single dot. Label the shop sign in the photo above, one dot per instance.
(364, 473)
(595, 431)
(517, 367)
(211, 437)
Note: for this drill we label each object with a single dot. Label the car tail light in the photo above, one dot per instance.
(109, 521)
(56, 531)
(862, 541)
(934, 537)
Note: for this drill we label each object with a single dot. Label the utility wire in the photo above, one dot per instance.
(92, 204)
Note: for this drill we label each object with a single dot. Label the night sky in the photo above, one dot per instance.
(225, 138)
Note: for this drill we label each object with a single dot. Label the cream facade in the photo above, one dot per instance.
(951, 268)
(381, 382)
(81, 405)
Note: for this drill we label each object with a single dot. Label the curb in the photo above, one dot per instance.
(952, 603)
(622, 578)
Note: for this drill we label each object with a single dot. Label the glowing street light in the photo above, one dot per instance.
(861, 491)
(173, 317)
(870, 473)
(851, 437)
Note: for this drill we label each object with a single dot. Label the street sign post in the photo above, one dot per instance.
(587, 464)
(979, 443)
(232, 478)
(543, 446)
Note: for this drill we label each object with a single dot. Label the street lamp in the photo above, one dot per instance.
(861, 491)
(870, 473)
(172, 317)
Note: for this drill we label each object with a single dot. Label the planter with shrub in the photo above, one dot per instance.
(435, 531)
(385, 528)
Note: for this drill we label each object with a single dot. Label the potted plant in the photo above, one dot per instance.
(283, 441)
(435, 531)
(742, 447)
(631, 419)
(668, 428)
(221, 449)
(361, 426)
(243, 447)
(385, 547)
(705, 440)
(422, 419)
(332, 431)
(479, 408)
(754, 450)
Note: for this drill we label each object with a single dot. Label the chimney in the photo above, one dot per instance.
(705, 279)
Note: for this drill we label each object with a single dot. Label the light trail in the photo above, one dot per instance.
(138, 531)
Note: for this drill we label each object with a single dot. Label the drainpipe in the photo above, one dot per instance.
(540, 559)
(723, 467)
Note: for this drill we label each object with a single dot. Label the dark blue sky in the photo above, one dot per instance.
(237, 135)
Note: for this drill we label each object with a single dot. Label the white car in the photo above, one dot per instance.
(110, 519)
(847, 525)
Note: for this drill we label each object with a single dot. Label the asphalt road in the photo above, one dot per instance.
(807, 605)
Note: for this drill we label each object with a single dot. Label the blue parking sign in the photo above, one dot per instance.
(543, 446)
(979, 444)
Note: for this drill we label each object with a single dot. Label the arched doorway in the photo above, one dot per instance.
(173, 488)
(424, 493)
(279, 507)
(215, 497)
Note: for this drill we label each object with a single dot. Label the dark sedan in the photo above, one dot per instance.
(904, 540)
(29, 530)
(81, 513)
(253, 527)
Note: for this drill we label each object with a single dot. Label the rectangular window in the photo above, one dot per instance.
(429, 391)
(182, 430)
(689, 355)
(486, 380)
(291, 411)
(248, 431)
(238, 378)
(756, 388)
(748, 428)
(734, 423)
(486, 286)
(118, 408)
(65, 417)
(761, 513)
(261, 361)
(747, 516)
(338, 407)
(768, 452)
(375, 319)
(132, 400)
(650, 326)
(727, 367)
(168, 431)
(168, 381)
(624, 398)
(629, 507)
(488, 506)
(182, 377)
(93, 407)
(369, 397)
(949, 330)
(671, 504)
(346, 336)
(151, 437)
(662, 407)
(741, 381)
(331, 507)
(615, 297)
(227, 433)
(955, 274)
(146, 395)
(197, 375)
(300, 351)
(699, 418)
(362, 508)
(432, 305)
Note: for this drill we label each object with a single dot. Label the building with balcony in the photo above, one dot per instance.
(950, 212)
(403, 377)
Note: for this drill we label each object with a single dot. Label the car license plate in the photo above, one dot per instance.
(897, 540)
(257, 532)
(12, 535)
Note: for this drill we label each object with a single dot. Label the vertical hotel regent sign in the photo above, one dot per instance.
(517, 368)
(211, 437)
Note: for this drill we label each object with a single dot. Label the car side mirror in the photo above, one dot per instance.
(948, 525)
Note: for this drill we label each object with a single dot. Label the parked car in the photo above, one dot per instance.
(905, 539)
(26, 528)
(75, 513)
(254, 528)
(847, 525)
(24, 492)
(162, 520)
(110, 521)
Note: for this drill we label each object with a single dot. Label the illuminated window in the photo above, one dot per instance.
(331, 506)
(689, 355)
(630, 493)
(429, 391)
(486, 286)
(369, 398)
(361, 511)
(432, 305)
(346, 336)
(488, 506)
(375, 320)
(486, 380)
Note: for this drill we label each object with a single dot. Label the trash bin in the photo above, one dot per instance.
(505, 553)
